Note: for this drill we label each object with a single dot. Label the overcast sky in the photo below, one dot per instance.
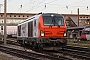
(57, 6)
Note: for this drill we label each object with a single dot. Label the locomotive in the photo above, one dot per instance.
(45, 31)
(85, 35)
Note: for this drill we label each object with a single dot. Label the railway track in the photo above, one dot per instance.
(30, 55)
(72, 52)
(68, 53)
(77, 52)
(17, 53)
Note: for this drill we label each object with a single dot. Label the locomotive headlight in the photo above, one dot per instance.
(65, 34)
(42, 33)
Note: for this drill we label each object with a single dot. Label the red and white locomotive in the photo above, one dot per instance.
(44, 31)
(86, 33)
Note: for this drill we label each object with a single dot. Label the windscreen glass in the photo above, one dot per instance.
(55, 20)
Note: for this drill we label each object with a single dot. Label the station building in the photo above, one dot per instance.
(14, 18)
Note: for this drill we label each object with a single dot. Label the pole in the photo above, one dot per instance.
(78, 16)
(4, 22)
(78, 24)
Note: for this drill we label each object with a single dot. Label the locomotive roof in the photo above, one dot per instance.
(49, 14)
(43, 14)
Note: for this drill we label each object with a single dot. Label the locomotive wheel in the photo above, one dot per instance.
(36, 46)
(20, 42)
(40, 46)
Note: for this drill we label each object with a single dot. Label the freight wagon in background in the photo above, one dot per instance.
(43, 31)
(11, 31)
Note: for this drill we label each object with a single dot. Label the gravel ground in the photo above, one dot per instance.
(4, 56)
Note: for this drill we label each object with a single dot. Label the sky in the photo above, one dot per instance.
(55, 6)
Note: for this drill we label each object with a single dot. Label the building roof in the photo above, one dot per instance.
(62, 14)
(78, 27)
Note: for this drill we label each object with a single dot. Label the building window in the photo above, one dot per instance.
(87, 17)
(1, 15)
(80, 17)
(23, 15)
(83, 17)
(14, 15)
(27, 16)
(10, 16)
(19, 16)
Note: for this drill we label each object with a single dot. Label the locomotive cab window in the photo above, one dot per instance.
(19, 30)
(35, 23)
(55, 20)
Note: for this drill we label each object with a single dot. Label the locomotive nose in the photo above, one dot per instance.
(54, 33)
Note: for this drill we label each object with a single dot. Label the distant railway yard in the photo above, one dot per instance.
(73, 51)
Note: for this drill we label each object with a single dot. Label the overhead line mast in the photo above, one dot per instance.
(5, 22)
(78, 16)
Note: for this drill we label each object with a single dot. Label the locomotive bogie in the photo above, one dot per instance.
(44, 43)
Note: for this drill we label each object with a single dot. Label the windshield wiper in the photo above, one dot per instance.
(51, 23)
(56, 23)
